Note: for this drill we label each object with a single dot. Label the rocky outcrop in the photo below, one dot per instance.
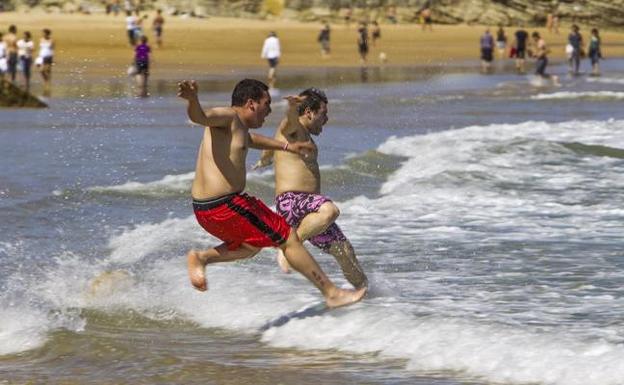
(13, 96)
(507, 12)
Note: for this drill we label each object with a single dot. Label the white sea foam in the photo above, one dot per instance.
(580, 95)
(170, 184)
(605, 80)
(482, 351)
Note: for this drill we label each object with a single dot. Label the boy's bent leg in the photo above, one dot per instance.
(198, 259)
(345, 256)
(301, 260)
(312, 224)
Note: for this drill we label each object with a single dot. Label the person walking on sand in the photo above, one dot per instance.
(362, 42)
(594, 51)
(157, 26)
(131, 26)
(501, 41)
(242, 222)
(45, 59)
(375, 32)
(271, 51)
(142, 64)
(425, 17)
(298, 186)
(323, 39)
(25, 48)
(10, 41)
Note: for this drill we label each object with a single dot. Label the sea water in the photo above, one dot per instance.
(485, 210)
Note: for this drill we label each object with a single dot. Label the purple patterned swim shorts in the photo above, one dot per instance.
(293, 206)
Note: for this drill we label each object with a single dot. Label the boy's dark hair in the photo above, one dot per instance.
(312, 102)
(12, 28)
(248, 89)
(313, 99)
(315, 92)
(46, 31)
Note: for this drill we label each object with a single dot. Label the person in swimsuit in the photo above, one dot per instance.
(298, 186)
(242, 222)
(157, 26)
(10, 42)
(362, 42)
(46, 57)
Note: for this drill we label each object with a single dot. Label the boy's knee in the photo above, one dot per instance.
(330, 211)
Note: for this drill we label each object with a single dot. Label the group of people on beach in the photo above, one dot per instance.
(536, 48)
(138, 40)
(17, 55)
(244, 223)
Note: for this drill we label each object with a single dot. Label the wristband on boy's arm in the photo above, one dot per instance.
(285, 147)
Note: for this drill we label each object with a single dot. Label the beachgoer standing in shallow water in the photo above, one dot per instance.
(298, 186)
(25, 48)
(142, 63)
(10, 42)
(271, 51)
(487, 49)
(46, 57)
(575, 41)
(521, 45)
(540, 52)
(242, 222)
(594, 51)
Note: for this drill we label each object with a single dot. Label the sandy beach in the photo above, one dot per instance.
(96, 45)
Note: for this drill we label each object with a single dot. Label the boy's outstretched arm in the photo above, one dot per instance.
(215, 117)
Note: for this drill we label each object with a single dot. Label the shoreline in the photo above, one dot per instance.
(94, 48)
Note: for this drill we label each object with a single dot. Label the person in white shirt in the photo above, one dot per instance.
(45, 59)
(25, 49)
(271, 52)
(131, 26)
(3, 60)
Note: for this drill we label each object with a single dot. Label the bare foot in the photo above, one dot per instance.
(282, 261)
(196, 270)
(343, 297)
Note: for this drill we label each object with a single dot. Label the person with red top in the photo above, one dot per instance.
(243, 223)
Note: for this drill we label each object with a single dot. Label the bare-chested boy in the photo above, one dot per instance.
(243, 223)
(298, 186)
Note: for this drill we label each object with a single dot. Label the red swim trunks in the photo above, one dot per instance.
(239, 218)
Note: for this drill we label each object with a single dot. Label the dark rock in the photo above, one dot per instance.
(13, 96)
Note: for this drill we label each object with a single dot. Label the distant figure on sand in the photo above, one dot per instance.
(362, 42)
(575, 41)
(142, 63)
(46, 59)
(131, 26)
(375, 32)
(157, 26)
(298, 186)
(521, 45)
(425, 17)
(271, 51)
(3, 57)
(487, 48)
(25, 48)
(10, 41)
(594, 51)
(501, 41)
(323, 39)
(242, 222)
